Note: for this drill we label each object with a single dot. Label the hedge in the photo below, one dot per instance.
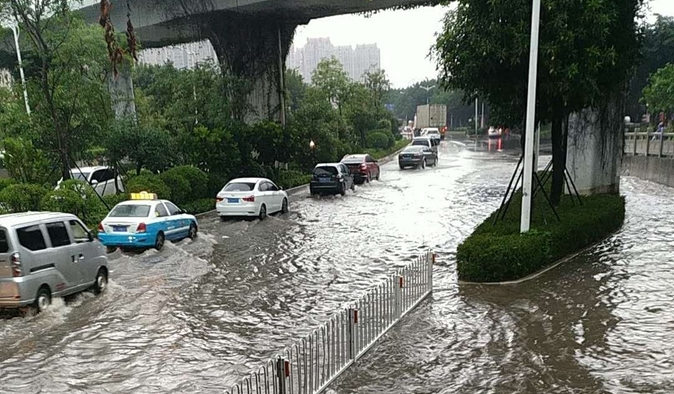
(500, 253)
(150, 183)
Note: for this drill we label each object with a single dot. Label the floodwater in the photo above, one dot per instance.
(197, 316)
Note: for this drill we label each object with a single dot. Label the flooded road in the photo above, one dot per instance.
(197, 316)
(602, 323)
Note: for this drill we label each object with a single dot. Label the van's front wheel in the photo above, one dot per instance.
(43, 299)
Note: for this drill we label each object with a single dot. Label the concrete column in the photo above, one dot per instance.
(252, 51)
(594, 155)
(121, 91)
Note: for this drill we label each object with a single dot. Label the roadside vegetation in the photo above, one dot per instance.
(185, 139)
(496, 253)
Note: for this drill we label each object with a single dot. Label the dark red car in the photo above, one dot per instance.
(363, 167)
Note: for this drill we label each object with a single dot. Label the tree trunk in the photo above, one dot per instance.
(558, 158)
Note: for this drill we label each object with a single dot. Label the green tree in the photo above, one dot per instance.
(68, 92)
(296, 88)
(659, 94)
(587, 51)
(330, 78)
(378, 85)
(24, 162)
(656, 52)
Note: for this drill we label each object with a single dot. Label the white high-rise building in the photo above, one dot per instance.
(355, 62)
(182, 56)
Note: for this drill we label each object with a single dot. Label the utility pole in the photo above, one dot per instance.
(15, 30)
(476, 116)
(525, 222)
(482, 119)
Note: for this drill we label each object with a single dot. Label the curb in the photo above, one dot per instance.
(293, 191)
(541, 272)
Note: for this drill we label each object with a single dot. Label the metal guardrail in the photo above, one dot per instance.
(310, 365)
(647, 143)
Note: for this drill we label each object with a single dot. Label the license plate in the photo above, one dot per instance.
(119, 229)
(232, 200)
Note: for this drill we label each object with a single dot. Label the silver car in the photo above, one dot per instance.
(45, 255)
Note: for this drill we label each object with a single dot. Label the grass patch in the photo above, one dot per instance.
(500, 253)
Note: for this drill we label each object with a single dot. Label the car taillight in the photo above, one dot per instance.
(249, 199)
(218, 199)
(100, 228)
(16, 265)
(141, 228)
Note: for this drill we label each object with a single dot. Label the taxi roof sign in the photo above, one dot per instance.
(143, 196)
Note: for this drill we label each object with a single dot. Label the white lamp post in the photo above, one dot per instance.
(15, 30)
(529, 141)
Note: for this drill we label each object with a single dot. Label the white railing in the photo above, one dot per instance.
(644, 143)
(310, 365)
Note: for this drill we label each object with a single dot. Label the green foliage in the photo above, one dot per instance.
(659, 94)
(78, 198)
(290, 179)
(379, 139)
(6, 182)
(500, 253)
(378, 154)
(199, 206)
(178, 186)
(21, 197)
(149, 183)
(144, 144)
(114, 199)
(197, 179)
(24, 162)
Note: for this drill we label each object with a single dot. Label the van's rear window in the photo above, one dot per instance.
(4, 245)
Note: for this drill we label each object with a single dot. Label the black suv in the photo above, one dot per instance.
(331, 178)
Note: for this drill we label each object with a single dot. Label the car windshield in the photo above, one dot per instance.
(130, 211)
(80, 176)
(420, 142)
(325, 171)
(239, 187)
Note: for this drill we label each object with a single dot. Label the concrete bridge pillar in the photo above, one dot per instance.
(252, 51)
(121, 91)
(594, 151)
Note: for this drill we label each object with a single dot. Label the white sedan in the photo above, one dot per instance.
(250, 197)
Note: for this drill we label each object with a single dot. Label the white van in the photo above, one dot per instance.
(45, 255)
(101, 178)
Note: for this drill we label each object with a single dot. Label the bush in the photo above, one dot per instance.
(290, 179)
(216, 182)
(199, 206)
(198, 180)
(501, 253)
(114, 199)
(381, 153)
(78, 198)
(378, 139)
(179, 187)
(6, 182)
(148, 183)
(22, 197)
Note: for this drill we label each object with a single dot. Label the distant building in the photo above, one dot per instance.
(182, 56)
(355, 61)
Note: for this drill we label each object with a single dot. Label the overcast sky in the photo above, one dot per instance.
(404, 37)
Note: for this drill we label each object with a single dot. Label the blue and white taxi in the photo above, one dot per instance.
(144, 222)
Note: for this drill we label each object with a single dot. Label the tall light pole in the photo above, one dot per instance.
(15, 30)
(529, 141)
(428, 101)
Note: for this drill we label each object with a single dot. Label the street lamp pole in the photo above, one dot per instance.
(15, 30)
(529, 141)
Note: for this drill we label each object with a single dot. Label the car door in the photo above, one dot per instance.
(430, 156)
(374, 167)
(263, 195)
(60, 240)
(346, 174)
(85, 247)
(275, 195)
(164, 222)
(180, 219)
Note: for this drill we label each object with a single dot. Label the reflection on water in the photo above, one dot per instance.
(197, 316)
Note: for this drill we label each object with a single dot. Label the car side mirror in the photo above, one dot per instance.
(94, 182)
(91, 237)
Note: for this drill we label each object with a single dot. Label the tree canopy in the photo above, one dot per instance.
(587, 50)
